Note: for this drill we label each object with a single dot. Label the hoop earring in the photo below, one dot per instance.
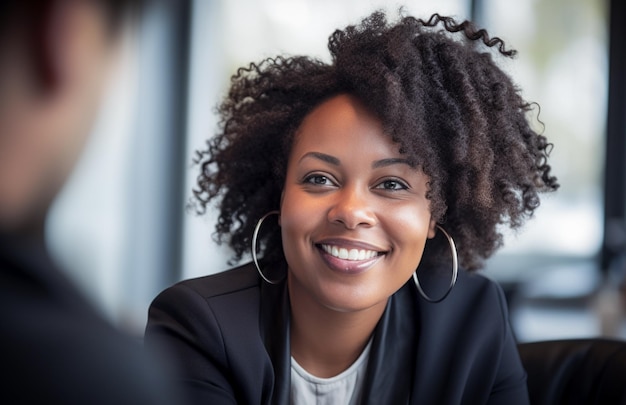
(254, 246)
(455, 271)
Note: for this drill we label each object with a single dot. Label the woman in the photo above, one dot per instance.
(355, 179)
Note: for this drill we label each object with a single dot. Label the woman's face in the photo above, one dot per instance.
(354, 213)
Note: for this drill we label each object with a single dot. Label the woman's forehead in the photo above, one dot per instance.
(343, 122)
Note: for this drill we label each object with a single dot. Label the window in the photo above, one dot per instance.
(562, 65)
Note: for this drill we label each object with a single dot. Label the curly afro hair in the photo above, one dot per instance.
(452, 110)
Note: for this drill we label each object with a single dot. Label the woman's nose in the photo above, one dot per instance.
(352, 208)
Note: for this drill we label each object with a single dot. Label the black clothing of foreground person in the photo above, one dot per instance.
(55, 348)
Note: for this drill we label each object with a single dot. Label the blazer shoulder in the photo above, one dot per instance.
(226, 282)
(483, 292)
(477, 283)
(475, 295)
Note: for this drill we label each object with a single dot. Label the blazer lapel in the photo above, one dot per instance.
(274, 327)
(390, 371)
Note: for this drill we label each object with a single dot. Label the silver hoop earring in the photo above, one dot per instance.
(254, 246)
(455, 271)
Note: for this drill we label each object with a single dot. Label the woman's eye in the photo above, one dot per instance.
(392, 185)
(318, 179)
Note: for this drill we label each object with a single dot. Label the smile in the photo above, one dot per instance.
(349, 254)
(349, 260)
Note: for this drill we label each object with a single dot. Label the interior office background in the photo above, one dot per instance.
(122, 227)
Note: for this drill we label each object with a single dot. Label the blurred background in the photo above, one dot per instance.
(121, 227)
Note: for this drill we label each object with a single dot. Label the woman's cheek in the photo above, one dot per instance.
(295, 219)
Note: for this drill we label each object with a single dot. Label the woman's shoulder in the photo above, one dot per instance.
(474, 284)
(479, 297)
(476, 289)
(474, 295)
(218, 299)
(476, 281)
(469, 286)
(235, 281)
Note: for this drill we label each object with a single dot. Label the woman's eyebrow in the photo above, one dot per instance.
(323, 157)
(388, 162)
(336, 162)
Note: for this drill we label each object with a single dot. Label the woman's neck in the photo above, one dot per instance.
(324, 341)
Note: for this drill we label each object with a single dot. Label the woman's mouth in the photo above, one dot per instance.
(348, 260)
(349, 254)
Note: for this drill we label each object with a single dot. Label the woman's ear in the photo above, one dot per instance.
(280, 209)
(432, 229)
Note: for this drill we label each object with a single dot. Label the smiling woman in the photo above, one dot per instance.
(348, 190)
(412, 139)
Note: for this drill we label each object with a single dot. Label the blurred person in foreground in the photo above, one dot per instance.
(54, 346)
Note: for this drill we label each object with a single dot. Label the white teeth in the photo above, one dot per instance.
(352, 254)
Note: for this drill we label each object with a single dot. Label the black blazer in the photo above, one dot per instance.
(230, 332)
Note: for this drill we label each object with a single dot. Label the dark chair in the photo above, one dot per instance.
(577, 371)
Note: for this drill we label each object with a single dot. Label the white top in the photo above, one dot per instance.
(344, 388)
